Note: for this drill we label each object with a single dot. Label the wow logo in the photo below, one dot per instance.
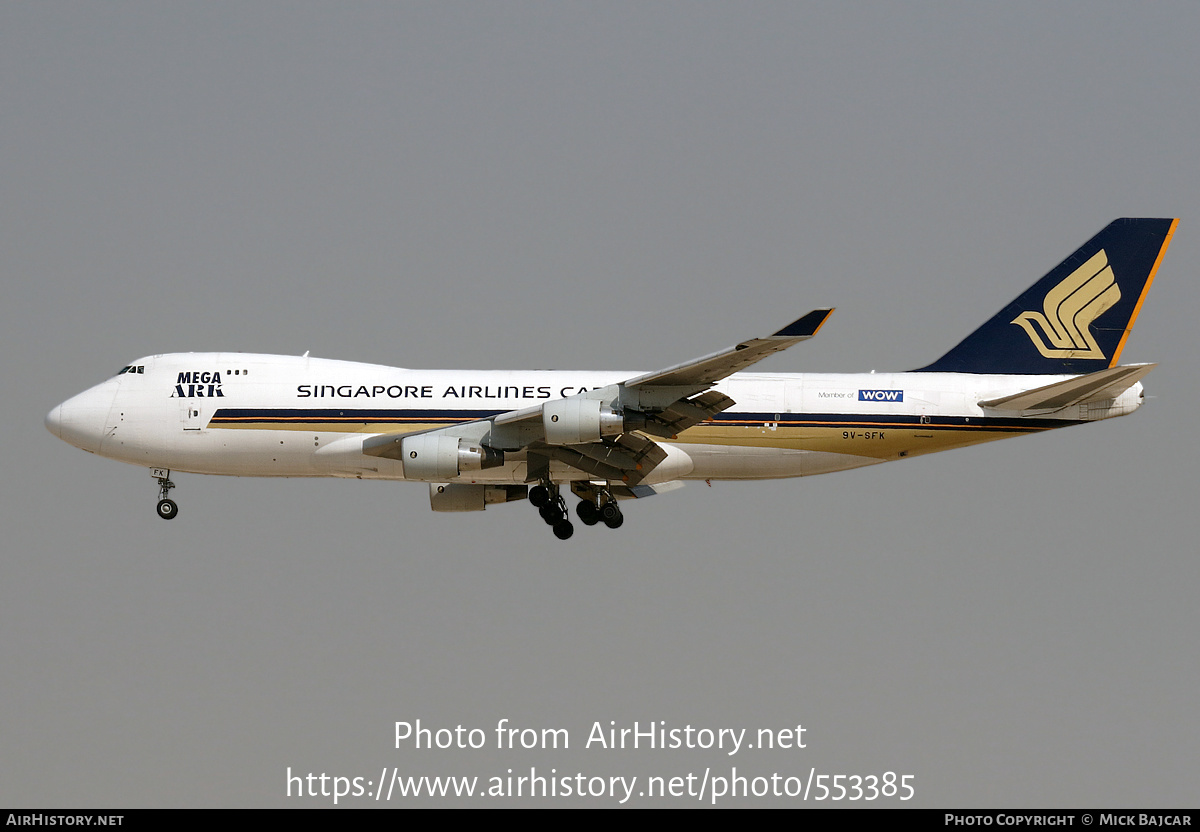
(881, 395)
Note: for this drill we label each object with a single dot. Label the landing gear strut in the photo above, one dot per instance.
(167, 509)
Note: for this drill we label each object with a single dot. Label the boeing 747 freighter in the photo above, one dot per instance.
(1047, 360)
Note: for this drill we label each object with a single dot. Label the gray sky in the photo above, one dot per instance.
(592, 186)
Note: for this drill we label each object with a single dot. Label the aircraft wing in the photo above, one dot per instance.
(603, 433)
(712, 368)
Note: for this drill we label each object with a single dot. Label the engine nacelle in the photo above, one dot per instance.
(457, 496)
(435, 456)
(575, 421)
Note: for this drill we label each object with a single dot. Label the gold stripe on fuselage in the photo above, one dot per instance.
(875, 440)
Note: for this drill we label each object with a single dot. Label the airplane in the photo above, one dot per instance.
(480, 438)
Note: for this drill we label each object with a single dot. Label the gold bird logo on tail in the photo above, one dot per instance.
(1070, 308)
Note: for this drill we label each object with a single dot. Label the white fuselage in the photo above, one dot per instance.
(268, 415)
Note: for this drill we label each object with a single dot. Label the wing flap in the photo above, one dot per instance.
(627, 458)
(684, 413)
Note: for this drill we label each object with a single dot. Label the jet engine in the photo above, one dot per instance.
(575, 421)
(435, 456)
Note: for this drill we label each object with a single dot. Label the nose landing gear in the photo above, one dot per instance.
(167, 509)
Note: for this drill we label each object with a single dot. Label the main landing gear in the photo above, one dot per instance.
(595, 505)
(553, 509)
(603, 508)
(167, 509)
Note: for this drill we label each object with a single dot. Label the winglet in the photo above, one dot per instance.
(805, 327)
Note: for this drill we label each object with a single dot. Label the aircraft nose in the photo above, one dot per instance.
(54, 421)
(80, 420)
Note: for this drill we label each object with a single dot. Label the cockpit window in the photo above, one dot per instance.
(133, 368)
(124, 370)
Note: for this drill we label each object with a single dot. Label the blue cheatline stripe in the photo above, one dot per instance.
(825, 420)
(335, 416)
(285, 414)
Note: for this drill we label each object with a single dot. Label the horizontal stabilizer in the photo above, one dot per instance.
(1097, 386)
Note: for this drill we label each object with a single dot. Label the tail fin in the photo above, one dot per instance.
(1077, 317)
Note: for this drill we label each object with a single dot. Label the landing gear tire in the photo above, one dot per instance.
(588, 512)
(167, 509)
(551, 513)
(611, 515)
(563, 529)
(539, 495)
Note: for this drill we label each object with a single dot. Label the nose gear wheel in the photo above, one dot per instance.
(167, 509)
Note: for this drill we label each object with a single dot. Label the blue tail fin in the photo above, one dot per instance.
(1076, 318)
